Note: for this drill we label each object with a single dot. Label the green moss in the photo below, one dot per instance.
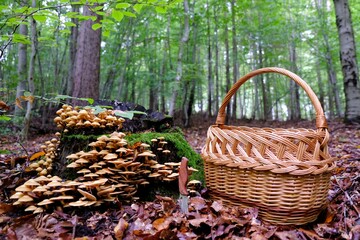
(183, 149)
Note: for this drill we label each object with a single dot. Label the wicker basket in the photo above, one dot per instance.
(285, 173)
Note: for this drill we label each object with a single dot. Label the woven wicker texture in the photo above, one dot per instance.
(283, 172)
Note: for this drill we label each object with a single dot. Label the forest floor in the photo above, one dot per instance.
(207, 219)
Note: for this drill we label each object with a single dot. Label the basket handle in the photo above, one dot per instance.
(320, 117)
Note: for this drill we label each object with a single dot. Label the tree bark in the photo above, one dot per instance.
(183, 41)
(25, 130)
(227, 68)
(234, 57)
(348, 60)
(209, 63)
(295, 112)
(22, 65)
(72, 51)
(87, 60)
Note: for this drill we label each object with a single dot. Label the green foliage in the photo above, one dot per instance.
(182, 146)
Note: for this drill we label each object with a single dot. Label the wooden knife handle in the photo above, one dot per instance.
(183, 176)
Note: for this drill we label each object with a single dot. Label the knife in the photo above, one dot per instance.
(183, 179)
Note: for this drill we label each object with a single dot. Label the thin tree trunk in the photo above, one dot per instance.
(188, 105)
(22, 65)
(227, 68)
(72, 51)
(217, 81)
(209, 63)
(348, 60)
(320, 7)
(294, 88)
(235, 58)
(25, 131)
(183, 41)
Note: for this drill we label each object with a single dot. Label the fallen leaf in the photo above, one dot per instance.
(37, 155)
(120, 229)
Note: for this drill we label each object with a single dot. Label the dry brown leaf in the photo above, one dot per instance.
(18, 103)
(120, 229)
(4, 106)
(37, 155)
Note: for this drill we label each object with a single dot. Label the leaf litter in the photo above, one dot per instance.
(207, 219)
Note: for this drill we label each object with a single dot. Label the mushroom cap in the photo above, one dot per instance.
(154, 175)
(173, 175)
(95, 165)
(30, 208)
(61, 198)
(40, 189)
(146, 154)
(45, 202)
(91, 175)
(166, 151)
(81, 161)
(23, 188)
(78, 203)
(157, 166)
(87, 195)
(54, 184)
(106, 191)
(103, 152)
(73, 165)
(42, 179)
(31, 183)
(172, 164)
(38, 210)
(17, 195)
(62, 190)
(110, 156)
(72, 156)
(84, 170)
(71, 184)
(25, 198)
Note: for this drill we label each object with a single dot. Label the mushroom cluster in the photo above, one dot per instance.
(124, 169)
(37, 194)
(70, 118)
(110, 171)
(44, 165)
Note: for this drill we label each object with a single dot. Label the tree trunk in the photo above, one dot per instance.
(234, 55)
(183, 41)
(209, 62)
(22, 65)
(31, 84)
(217, 81)
(295, 112)
(87, 61)
(348, 60)
(227, 68)
(72, 51)
(188, 106)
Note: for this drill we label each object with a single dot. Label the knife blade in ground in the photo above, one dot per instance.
(183, 179)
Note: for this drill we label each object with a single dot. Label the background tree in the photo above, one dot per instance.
(87, 59)
(348, 60)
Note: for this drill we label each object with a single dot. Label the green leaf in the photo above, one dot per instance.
(27, 94)
(98, 109)
(118, 15)
(70, 24)
(129, 14)
(96, 26)
(40, 18)
(122, 5)
(137, 7)
(4, 118)
(66, 31)
(106, 33)
(128, 114)
(19, 38)
(161, 10)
